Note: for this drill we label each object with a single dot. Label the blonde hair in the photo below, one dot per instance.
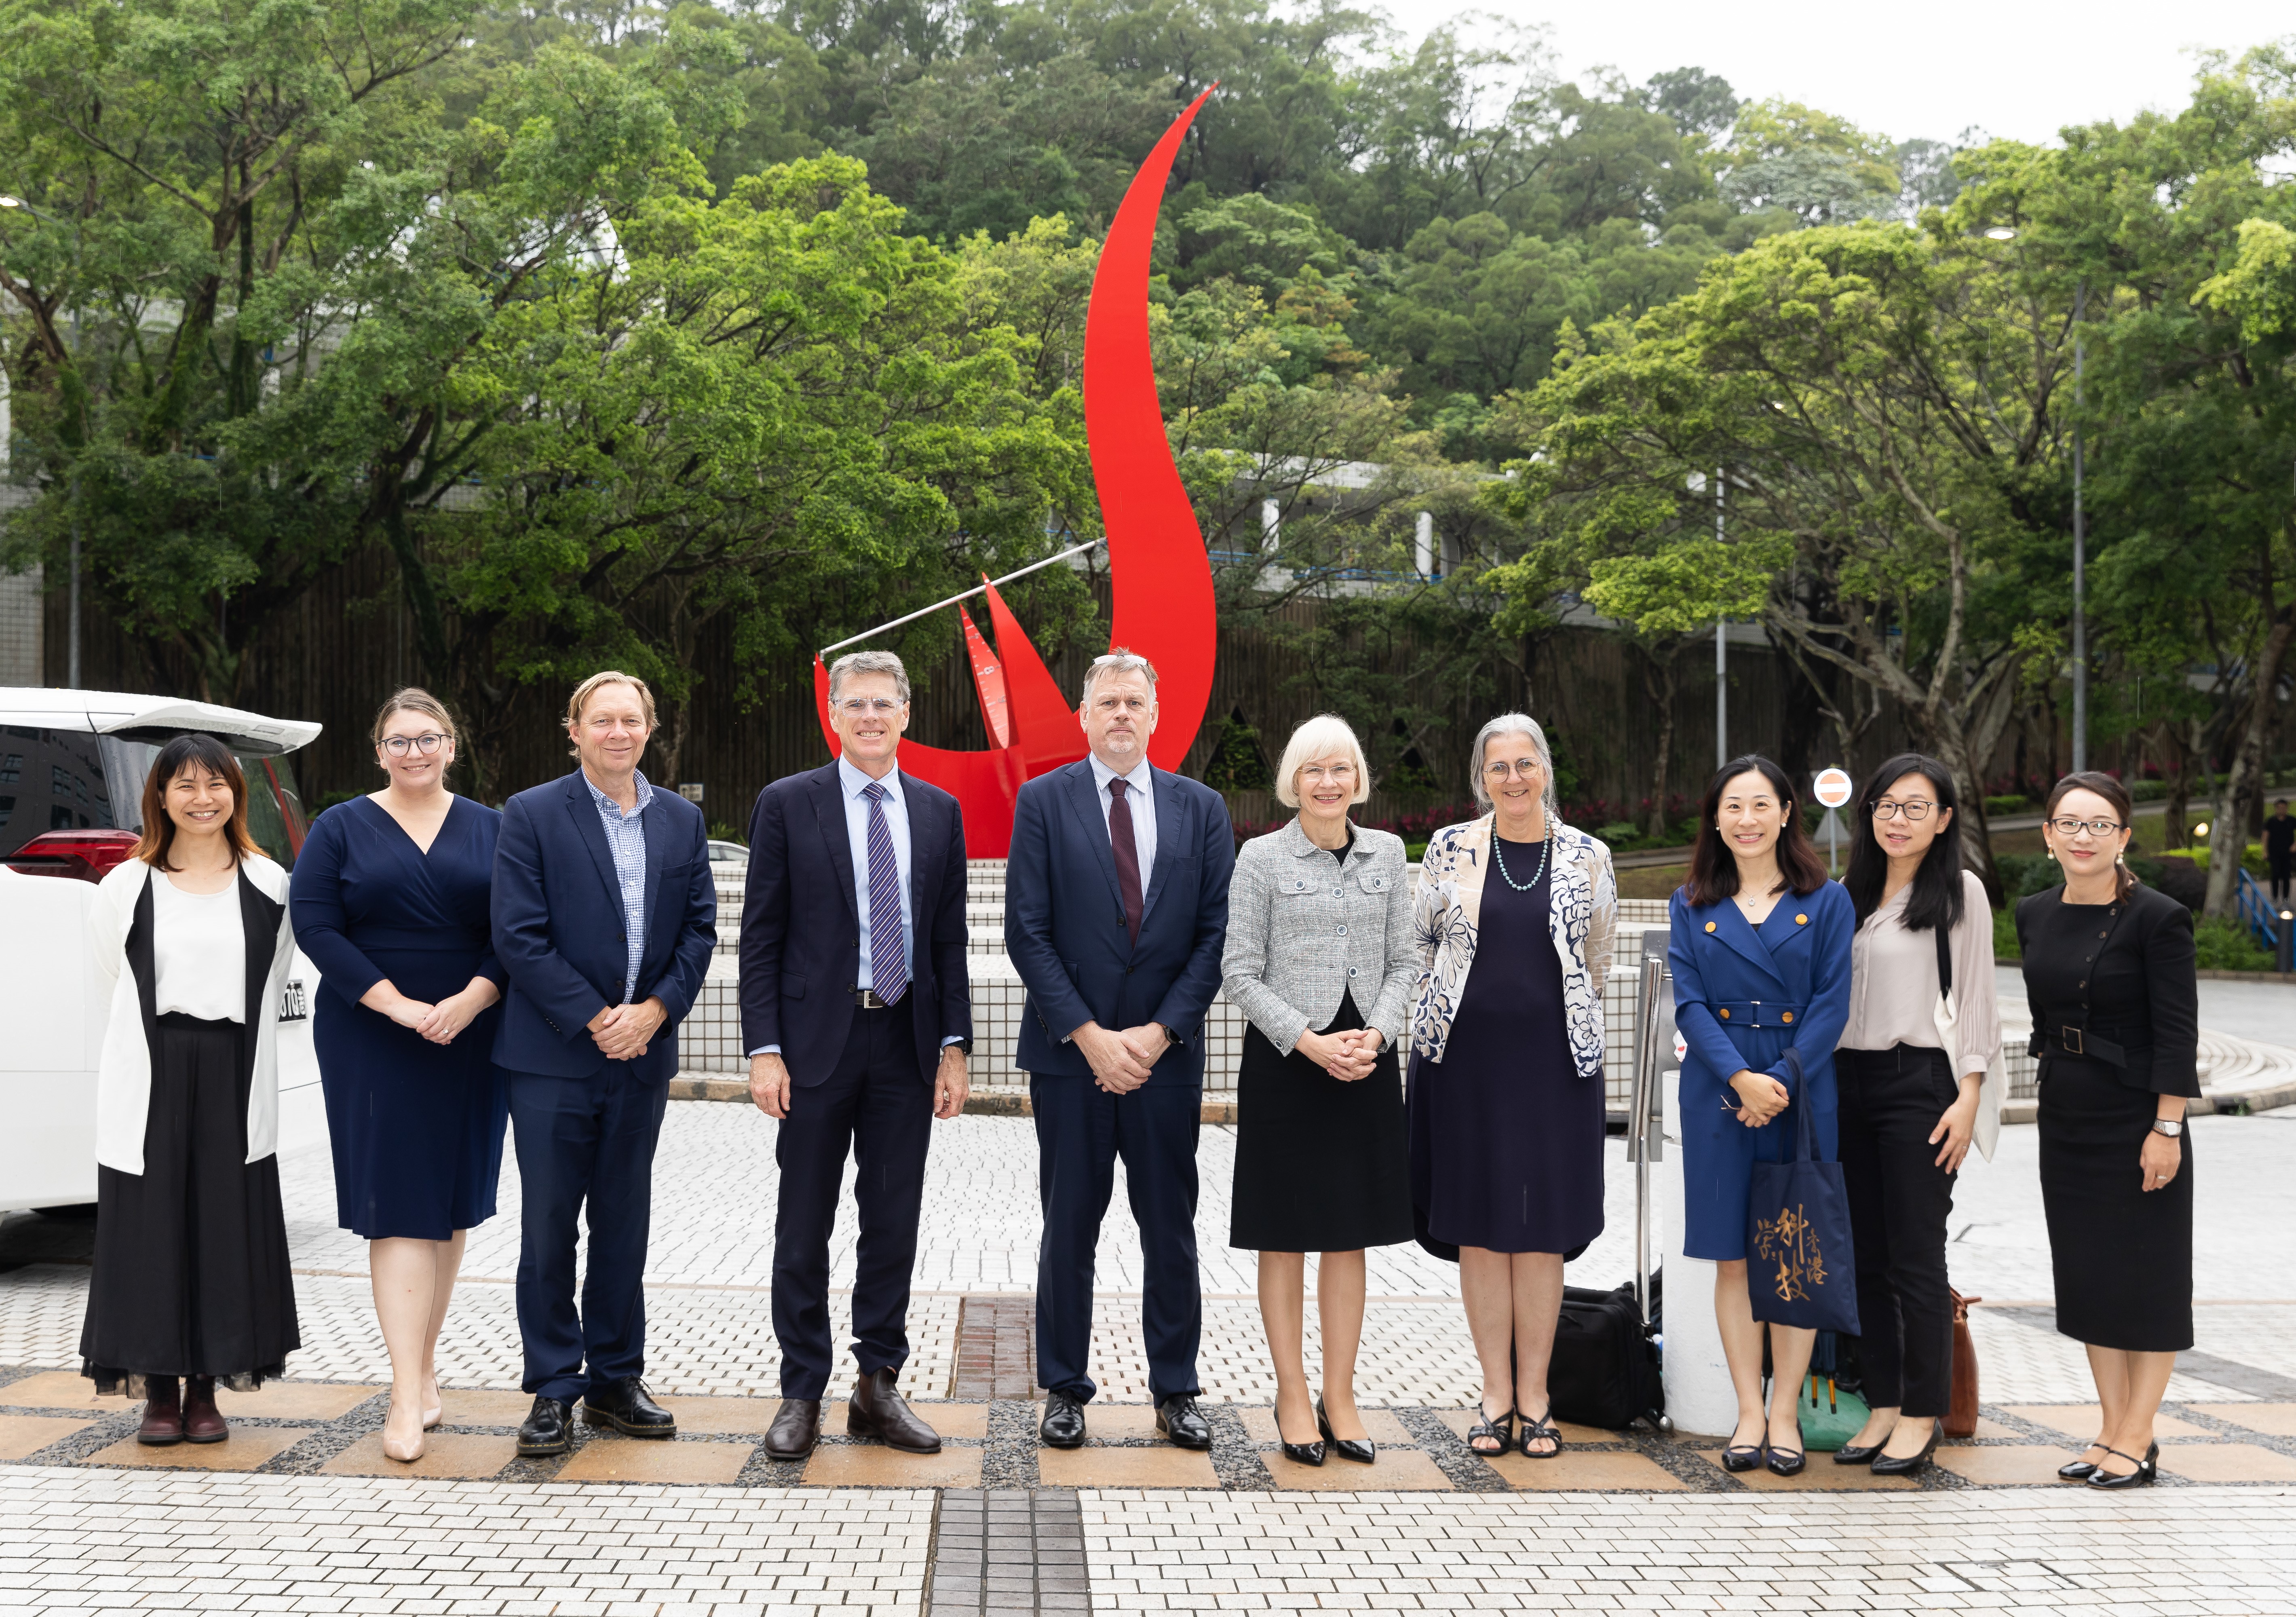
(1322, 737)
(591, 686)
(414, 699)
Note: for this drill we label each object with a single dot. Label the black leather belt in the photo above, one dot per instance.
(1757, 1013)
(2080, 1041)
(866, 998)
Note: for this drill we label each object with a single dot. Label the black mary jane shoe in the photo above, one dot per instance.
(1856, 1454)
(2078, 1471)
(1788, 1462)
(1745, 1456)
(2147, 1468)
(1909, 1464)
(1362, 1450)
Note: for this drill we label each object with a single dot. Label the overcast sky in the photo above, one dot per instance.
(2015, 67)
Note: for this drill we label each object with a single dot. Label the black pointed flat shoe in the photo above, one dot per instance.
(1362, 1450)
(1909, 1464)
(1788, 1462)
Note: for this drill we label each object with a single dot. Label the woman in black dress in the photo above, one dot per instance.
(1515, 916)
(2109, 969)
(1319, 924)
(192, 1287)
(390, 903)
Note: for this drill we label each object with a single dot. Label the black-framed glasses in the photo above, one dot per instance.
(426, 743)
(2072, 827)
(1915, 810)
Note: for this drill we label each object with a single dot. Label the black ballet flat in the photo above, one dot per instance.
(1856, 1454)
(1788, 1462)
(1909, 1464)
(1745, 1456)
(2147, 1468)
(1362, 1451)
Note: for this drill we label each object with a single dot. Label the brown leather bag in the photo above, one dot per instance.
(1961, 1406)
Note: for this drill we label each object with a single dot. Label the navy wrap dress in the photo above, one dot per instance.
(416, 1126)
(1743, 995)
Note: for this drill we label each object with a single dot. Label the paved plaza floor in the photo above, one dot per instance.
(300, 1511)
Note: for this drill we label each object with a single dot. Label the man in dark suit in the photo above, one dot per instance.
(605, 918)
(1115, 914)
(856, 1012)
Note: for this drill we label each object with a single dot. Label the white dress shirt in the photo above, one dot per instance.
(1141, 795)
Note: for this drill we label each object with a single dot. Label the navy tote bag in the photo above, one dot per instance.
(1800, 1270)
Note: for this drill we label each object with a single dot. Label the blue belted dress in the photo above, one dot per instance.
(1743, 996)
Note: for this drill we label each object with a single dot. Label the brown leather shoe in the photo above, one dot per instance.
(163, 1412)
(796, 1425)
(877, 1409)
(204, 1423)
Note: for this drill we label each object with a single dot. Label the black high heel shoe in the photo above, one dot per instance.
(1362, 1451)
(1302, 1454)
(1908, 1464)
(1856, 1454)
(2077, 1471)
(2147, 1468)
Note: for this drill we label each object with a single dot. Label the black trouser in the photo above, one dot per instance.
(2278, 865)
(1899, 1198)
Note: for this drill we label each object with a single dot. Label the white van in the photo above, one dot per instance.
(72, 767)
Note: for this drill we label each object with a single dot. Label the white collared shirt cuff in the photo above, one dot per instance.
(766, 1050)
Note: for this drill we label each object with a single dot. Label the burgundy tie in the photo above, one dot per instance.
(1128, 857)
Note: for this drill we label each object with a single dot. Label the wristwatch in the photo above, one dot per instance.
(1172, 1034)
(2170, 1126)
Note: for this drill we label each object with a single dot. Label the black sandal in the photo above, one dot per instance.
(1543, 1427)
(1503, 1433)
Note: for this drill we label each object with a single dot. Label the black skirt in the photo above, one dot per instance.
(191, 1275)
(1319, 1163)
(2122, 1254)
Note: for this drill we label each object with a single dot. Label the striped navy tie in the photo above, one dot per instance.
(888, 962)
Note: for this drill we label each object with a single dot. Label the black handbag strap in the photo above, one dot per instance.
(1805, 1146)
(1945, 962)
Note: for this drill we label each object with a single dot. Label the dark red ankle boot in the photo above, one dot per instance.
(202, 1421)
(163, 1414)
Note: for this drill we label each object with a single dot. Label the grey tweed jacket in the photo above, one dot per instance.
(1301, 932)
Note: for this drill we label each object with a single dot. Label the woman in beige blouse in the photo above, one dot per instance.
(1915, 1093)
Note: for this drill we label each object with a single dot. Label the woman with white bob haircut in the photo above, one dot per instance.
(1514, 918)
(1320, 958)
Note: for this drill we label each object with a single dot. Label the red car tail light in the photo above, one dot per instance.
(83, 855)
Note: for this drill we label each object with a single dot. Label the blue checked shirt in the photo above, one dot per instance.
(626, 840)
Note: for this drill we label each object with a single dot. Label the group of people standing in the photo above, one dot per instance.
(530, 967)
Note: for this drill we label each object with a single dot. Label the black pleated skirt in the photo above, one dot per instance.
(191, 1275)
(1319, 1163)
(2122, 1254)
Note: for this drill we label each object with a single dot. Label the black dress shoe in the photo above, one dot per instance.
(545, 1431)
(796, 1425)
(1178, 1419)
(1063, 1426)
(2077, 1471)
(624, 1405)
(1786, 1462)
(1856, 1454)
(877, 1409)
(1907, 1465)
(2146, 1470)
(1362, 1450)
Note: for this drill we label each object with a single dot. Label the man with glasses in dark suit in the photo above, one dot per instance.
(856, 1012)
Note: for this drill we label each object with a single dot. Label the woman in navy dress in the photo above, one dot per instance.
(389, 900)
(1760, 943)
(1515, 912)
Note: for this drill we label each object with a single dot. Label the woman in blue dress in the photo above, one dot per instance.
(1760, 943)
(389, 900)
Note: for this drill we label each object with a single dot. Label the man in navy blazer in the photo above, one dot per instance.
(605, 918)
(1115, 915)
(856, 1011)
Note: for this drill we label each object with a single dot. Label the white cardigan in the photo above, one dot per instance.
(123, 1076)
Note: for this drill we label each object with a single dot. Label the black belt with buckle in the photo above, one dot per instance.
(866, 998)
(2084, 1042)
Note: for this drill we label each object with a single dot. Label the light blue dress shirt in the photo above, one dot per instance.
(1141, 797)
(626, 840)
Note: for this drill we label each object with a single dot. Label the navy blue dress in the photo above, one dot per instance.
(1742, 994)
(1506, 1133)
(417, 1127)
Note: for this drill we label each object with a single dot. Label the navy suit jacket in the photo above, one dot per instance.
(561, 935)
(801, 925)
(1064, 920)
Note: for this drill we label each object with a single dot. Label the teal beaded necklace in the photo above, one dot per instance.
(1499, 857)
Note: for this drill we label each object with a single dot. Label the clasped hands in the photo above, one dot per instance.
(437, 1021)
(622, 1031)
(1122, 1058)
(1348, 1056)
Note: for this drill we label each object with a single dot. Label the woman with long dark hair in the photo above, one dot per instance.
(2108, 970)
(191, 1288)
(1912, 1102)
(1760, 944)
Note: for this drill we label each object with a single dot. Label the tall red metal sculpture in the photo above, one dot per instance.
(1157, 568)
